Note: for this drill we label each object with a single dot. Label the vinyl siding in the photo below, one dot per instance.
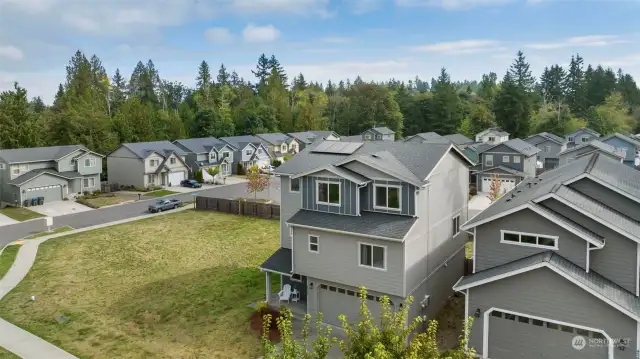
(31, 166)
(491, 253)
(125, 168)
(337, 261)
(619, 143)
(68, 163)
(554, 148)
(578, 136)
(498, 153)
(608, 197)
(529, 165)
(84, 170)
(543, 293)
(407, 200)
(291, 202)
(348, 195)
(616, 260)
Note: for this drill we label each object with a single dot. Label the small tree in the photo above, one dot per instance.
(213, 171)
(494, 189)
(289, 347)
(276, 162)
(258, 181)
(198, 175)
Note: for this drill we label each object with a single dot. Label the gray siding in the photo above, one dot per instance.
(290, 203)
(629, 147)
(545, 294)
(337, 261)
(578, 138)
(348, 195)
(90, 188)
(31, 166)
(499, 152)
(40, 181)
(69, 163)
(608, 197)
(491, 253)
(84, 170)
(529, 165)
(566, 157)
(617, 260)
(125, 168)
(407, 201)
(548, 149)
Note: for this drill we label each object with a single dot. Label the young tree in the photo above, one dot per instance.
(494, 189)
(289, 347)
(257, 181)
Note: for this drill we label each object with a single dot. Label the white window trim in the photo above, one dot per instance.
(584, 139)
(367, 136)
(375, 206)
(457, 216)
(555, 239)
(516, 159)
(173, 160)
(15, 171)
(248, 152)
(317, 244)
(384, 248)
(491, 138)
(299, 184)
(283, 147)
(487, 159)
(328, 194)
(571, 139)
(92, 162)
(2, 166)
(505, 159)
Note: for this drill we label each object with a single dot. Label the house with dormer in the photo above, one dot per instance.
(379, 214)
(207, 152)
(279, 144)
(492, 136)
(379, 134)
(556, 265)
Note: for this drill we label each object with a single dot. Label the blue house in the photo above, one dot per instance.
(626, 145)
(581, 136)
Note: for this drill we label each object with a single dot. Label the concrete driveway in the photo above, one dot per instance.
(60, 208)
(478, 203)
(4, 220)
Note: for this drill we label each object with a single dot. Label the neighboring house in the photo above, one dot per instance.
(550, 145)
(308, 137)
(146, 164)
(430, 137)
(626, 145)
(512, 161)
(279, 144)
(249, 152)
(570, 154)
(460, 140)
(581, 136)
(54, 173)
(556, 264)
(492, 135)
(207, 152)
(325, 135)
(379, 214)
(379, 134)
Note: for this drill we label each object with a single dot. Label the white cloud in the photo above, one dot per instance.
(452, 4)
(578, 41)
(254, 33)
(629, 60)
(460, 47)
(218, 35)
(319, 7)
(11, 53)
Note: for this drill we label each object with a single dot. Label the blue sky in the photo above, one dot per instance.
(324, 39)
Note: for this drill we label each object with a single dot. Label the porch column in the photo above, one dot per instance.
(268, 286)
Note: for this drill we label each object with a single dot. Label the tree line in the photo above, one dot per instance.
(101, 110)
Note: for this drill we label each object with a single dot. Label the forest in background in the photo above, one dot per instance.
(101, 110)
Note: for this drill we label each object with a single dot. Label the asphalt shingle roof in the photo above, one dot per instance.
(507, 170)
(201, 145)
(544, 136)
(517, 144)
(368, 223)
(304, 137)
(592, 280)
(497, 131)
(458, 139)
(431, 137)
(241, 142)
(596, 145)
(383, 130)
(625, 138)
(275, 138)
(584, 129)
(37, 172)
(144, 149)
(279, 261)
(33, 154)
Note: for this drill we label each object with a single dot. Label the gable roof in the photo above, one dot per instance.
(506, 170)
(275, 138)
(584, 129)
(163, 148)
(37, 154)
(591, 281)
(240, 142)
(596, 145)
(26, 177)
(458, 139)
(497, 130)
(625, 138)
(305, 137)
(324, 134)
(201, 145)
(542, 137)
(429, 137)
(383, 130)
(517, 145)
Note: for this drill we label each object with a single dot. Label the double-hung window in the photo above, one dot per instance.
(89, 162)
(89, 182)
(505, 159)
(314, 244)
(516, 159)
(373, 256)
(456, 225)
(529, 239)
(387, 197)
(248, 152)
(571, 139)
(172, 160)
(488, 160)
(585, 139)
(328, 193)
(294, 185)
(284, 147)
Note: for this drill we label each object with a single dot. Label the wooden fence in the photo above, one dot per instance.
(107, 187)
(245, 208)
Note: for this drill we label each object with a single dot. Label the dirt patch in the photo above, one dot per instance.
(257, 320)
(450, 323)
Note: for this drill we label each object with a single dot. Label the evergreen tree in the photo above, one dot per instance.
(575, 86)
(223, 76)
(263, 70)
(512, 107)
(520, 72)
(488, 87)
(552, 84)
(274, 64)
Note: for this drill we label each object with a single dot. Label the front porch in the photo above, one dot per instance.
(299, 308)
(279, 264)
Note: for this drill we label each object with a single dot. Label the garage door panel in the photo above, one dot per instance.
(50, 193)
(175, 178)
(335, 303)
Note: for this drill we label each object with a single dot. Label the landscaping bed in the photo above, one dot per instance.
(172, 286)
(7, 258)
(257, 322)
(20, 214)
(98, 200)
(160, 193)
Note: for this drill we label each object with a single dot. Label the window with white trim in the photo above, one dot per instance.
(89, 162)
(387, 197)
(505, 159)
(488, 160)
(284, 147)
(314, 244)
(516, 159)
(571, 139)
(153, 163)
(248, 152)
(89, 182)
(172, 160)
(294, 185)
(547, 149)
(585, 139)
(379, 137)
(328, 193)
(367, 136)
(492, 139)
(15, 170)
(456, 225)
(2, 166)
(373, 256)
(225, 154)
(529, 239)
(259, 151)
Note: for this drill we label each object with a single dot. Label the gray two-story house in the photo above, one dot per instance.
(54, 173)
(379, 214)
(279, 144)
(572, 153)
(627, 146)
(249, 151)
(379, 134)
(147, 164)
(550, 145)
(512, 161)
(580, 136)
(556, 266)
(306, 138)
(492, 136)
(207, 152)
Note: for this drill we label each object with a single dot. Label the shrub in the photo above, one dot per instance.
(473, 190)
(198, 175)
(240, 169)
(213, 171)
(276, 162)
(287, 157)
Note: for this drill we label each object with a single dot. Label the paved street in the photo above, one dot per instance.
(17, 231)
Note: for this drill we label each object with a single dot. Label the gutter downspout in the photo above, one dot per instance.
(291, 237)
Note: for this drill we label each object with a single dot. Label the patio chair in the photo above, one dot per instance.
(285, 293)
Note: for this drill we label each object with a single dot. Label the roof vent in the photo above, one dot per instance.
(374, 155)
(508, 199)
(513, 195)
(519, 191)
(529, 184)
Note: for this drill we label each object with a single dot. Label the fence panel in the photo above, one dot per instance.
(252, 209)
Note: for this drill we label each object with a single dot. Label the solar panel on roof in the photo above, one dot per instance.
(322, 146)
(337, 147)
(352, 147)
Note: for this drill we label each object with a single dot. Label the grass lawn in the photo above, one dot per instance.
(160, 193)
(20, 213)
(105, 201)
(7, 257)
(53, 231)
(173, 286)
(5, 354)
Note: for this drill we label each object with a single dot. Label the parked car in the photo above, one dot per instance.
(190, 184)
(268, 169)
(164, 204)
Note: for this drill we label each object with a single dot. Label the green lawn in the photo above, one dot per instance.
(173, 286)
(53, 231)
(5, 354)
(102, 201)
(20, 213)
(160, 193)
(7, 257)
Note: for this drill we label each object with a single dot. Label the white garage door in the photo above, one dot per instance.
(506, 185)
(510, 336)
(175, 178)
(335, 301)
(50, 193)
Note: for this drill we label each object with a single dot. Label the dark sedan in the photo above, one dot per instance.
(190, 184)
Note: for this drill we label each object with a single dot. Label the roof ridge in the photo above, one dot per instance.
(592, 162)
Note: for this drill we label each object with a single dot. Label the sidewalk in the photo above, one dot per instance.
(19, 341)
